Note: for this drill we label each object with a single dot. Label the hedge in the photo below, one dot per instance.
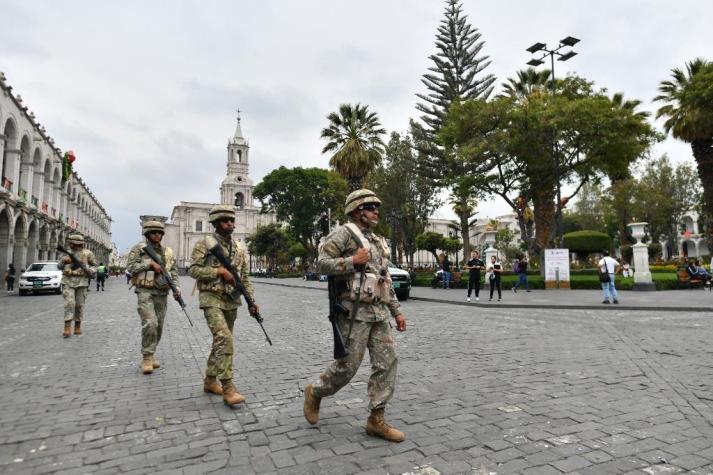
(663, 281)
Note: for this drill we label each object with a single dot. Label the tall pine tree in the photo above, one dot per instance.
(455, 75)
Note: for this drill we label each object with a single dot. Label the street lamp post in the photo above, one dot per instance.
(569, 41)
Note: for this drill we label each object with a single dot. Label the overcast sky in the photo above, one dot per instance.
(145, 93)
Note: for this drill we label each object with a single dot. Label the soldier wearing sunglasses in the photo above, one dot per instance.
(359, 259)
(151, 289)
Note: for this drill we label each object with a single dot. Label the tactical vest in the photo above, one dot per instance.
(235, 256)
(147, 279)
(376, 285)
(78, 272)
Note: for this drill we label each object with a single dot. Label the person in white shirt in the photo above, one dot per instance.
(610, 266)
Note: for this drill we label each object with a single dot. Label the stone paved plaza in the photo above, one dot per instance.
(480, 390)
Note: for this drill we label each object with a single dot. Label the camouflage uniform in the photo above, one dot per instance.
(219, 309)
(371, 328)
(75, 283)
(152, 292)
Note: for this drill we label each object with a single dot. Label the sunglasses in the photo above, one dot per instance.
(156, 232)
(370, 206)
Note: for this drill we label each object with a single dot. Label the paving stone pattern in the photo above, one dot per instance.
(480, 390)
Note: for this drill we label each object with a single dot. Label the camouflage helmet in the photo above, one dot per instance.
(359, 197)
(152, 225)
(75, 238)
(221, 212)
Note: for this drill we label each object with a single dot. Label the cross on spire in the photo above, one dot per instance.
(238, 111)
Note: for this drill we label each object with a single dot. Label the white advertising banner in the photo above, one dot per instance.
(557, 262)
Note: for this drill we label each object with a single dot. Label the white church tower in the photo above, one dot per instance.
(237, 186)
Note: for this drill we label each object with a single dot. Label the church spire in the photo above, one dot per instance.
(238, 135)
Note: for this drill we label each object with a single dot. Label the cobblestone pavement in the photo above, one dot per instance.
(480, 390)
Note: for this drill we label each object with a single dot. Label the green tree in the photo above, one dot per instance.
(403, 190)
(662, 196)
(688, 110)
(301, 198)
(451, 245)
(354, 135)
(431, 242)
(456, 74)
(271, 241)
(511, 142)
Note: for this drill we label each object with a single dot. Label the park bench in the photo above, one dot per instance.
(685, 279)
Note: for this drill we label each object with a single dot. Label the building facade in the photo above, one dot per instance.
(189, 220)
(449, 228)
(38, 209)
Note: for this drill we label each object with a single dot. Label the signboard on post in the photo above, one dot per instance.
(557, 268)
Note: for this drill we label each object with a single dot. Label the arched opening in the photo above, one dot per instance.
(240, 156)
(46, 187)
(33, 238)
(9, 153)
(23, 176)
(42, 252)
(239, 200)
(4, 239)
(19, 254)
(52, 250)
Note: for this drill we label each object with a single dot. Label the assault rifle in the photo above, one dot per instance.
(149, 251)
(76, 263)
(217, 251)
(336, 308)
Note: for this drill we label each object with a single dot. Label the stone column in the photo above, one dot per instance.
(490, 250)
(642, 275)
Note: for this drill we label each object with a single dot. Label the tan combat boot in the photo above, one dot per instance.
(211, 385)
(155, 362)
(377, 426)
(311, 407)
(77, 328)
(230, 394)
(147, 364)
(67, 329)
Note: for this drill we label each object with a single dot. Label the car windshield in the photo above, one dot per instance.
(44, 267)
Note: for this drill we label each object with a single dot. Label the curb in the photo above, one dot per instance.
(538, 306)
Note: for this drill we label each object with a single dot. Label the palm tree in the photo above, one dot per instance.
(620, 177)
(528, 81)
(688, 110)
(354, 134)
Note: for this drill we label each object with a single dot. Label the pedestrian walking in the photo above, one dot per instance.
(151, 289)
(521, 271)
(358, 259)
(474, 266)
(608, 266)
(216, 285)
(446, 268)
(75, 282)
(495, 268)
(101, 276)
(10, 278)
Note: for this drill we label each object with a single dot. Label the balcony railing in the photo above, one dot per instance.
(6, 183)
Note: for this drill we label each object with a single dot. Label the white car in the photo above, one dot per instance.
(400, 281)
(42, 276)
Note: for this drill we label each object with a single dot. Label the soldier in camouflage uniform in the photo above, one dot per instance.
(151, 289)
(75, 283)
(345, 252)
(215, 283)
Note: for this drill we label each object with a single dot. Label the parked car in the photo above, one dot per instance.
(400, 281)
(41, 277)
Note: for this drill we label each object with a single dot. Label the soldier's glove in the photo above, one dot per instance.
(155, 267)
